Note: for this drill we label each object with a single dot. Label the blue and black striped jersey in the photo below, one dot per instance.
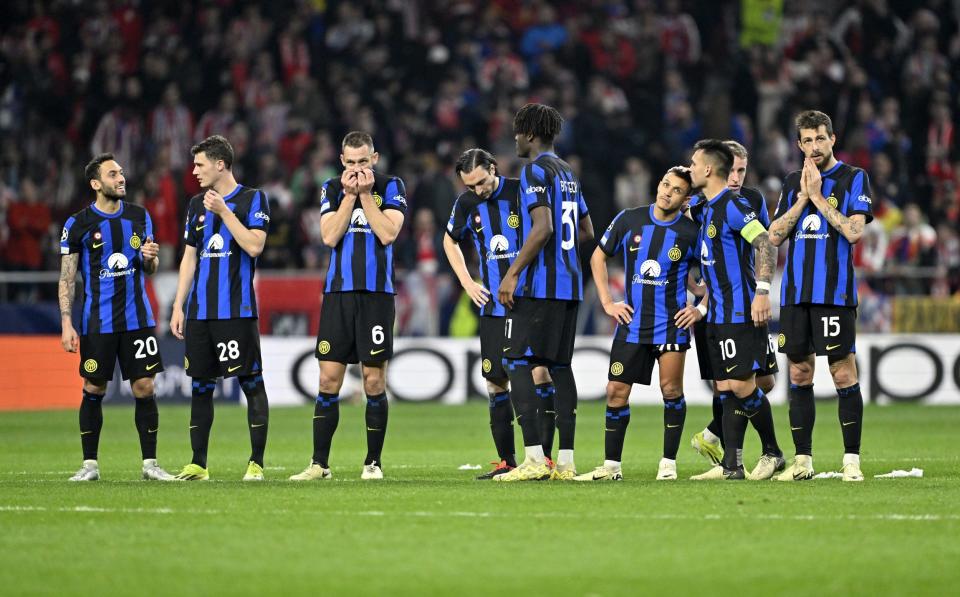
(111, 266)
(819, 267)
(223, 282)
(360, 262)
(728, 224)
(494, 226)
(657, 256)
(754, 198)
(555, 273)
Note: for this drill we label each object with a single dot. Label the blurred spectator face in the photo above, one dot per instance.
(912, 216)
(110, 183)
(480, 180)
(355, 159)
(207, 171)
(817, 144)
(171, 95)
(737, 174)
(672, 193)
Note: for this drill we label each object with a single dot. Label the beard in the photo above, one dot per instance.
(113, 194)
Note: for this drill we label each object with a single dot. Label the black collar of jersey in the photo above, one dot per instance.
(719, 195)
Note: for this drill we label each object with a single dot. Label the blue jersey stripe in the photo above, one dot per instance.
(106, 282)
(223, 278)
(346, 261)
(130, 307)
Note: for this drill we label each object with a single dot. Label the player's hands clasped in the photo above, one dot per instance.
(365, 180)
(149, 249)
(478, 293)
(686, 317)
(810, 180)
(69, 338)
(212, 201)
(348, 180)
(760, 310)
(620, 311)
(176, 323)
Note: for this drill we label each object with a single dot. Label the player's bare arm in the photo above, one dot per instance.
(251, 241)
(586, 229)
(850, 227)
(685, 318)
(619, 311)
(188, 266)
(476, 291)
(540, 231)
(67, 288)
(151, 256)
(766, 259)
(782, 227)
(385, 224)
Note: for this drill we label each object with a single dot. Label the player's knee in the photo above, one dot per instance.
(498, 386)
(541, 375)
(374, 380)
(801, 370)
(671, 389)
(844, 373)
(95, 386)
(618, 394)
(330, 384)
(766, 383)
(142, 387)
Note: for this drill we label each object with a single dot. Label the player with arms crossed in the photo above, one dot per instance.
(226, 228)
(361, 215)
(657, 245)
(111, 241)
(823, 210)
(545, 276)
(709, 442)
(738, 301)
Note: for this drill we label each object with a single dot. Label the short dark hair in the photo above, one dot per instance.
(718, 152)
(813, 119)
(682, 172)
(738, 150)
(473, 158)
(215, 147)
(539, 120)
(92, 170)
(357, 139)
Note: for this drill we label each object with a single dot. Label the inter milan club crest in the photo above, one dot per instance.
(833, 201)
(513, 221)
(135, 242)
(674, 254)
(711, 230)
(378, 199)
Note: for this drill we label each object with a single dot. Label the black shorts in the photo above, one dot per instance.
(767, 367)
(542, 330)
(222, 348)
(492, 343)
(633, 363)
(136, 350)
(736, 349)
(822, 329)
(356, 326)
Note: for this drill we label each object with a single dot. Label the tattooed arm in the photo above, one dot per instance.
(782, 227)
(67, 288)
(850, 227)
(766, 259)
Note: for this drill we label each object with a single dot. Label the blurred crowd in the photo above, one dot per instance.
(638, 81)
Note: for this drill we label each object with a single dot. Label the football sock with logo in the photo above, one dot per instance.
(715, 426)
(547, 415)
(501, 426)
(258, 414)
(525, 401)
(803, 414)
(850, 412)
(147, 419)
(615, 431)
(376, 427)
(734, 429)
(201, 418)
(566, 401)
(762, 421)
(91, 422)
(326, 417)
(674, 414)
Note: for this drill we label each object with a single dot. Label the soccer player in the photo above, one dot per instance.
(657, 246)
(361, 215)
(546, 278)
(709, 442)
(226, 228)
(111, 241)
(823, 210)
(738, 301)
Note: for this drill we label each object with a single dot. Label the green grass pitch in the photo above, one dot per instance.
(429, 528)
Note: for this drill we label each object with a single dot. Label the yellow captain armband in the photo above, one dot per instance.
(752, 231)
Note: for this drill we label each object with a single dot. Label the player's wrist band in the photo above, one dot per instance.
(761, 285)
(702, 309)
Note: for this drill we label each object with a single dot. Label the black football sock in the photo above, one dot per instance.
(803, 414)
(547, 417)
(201, 419)
(715, 426)
(615, 430)
(326, 417)
(258, 414)
(147, 419)
(501, 426)
(761, 416)
(376, 427)
(566, 401)
(734, 429)
(850, 412)
(91, 422)
(674, 414)
(524, 398)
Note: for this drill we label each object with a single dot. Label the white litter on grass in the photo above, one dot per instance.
(828, 475)
(469, 467)
(900, 474)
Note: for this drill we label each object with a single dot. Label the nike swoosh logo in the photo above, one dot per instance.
(749, 416)
(608, 429)
(832, 347)
(98, 245)
(796, 428)
(729, 369)
(634, 249)
(194, 426)
(320, 417)
(85, 432)
(255, 426)
(152, 430)
(506, 349)
(480, 229)
(377, 351)
(772, 365)
(849, 423)
(198, 228)
(232, 369)
(372, 429)
(672, 426)
(149, 367)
